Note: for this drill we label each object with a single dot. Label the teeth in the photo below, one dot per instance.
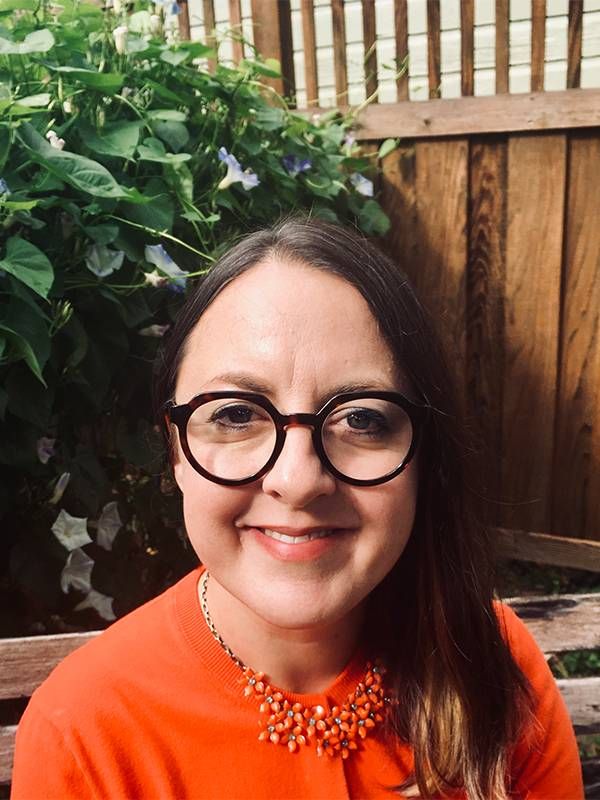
(283, 537)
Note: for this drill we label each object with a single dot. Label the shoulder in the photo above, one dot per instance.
(111, 665)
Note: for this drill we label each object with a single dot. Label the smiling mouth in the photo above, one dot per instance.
(309, 537)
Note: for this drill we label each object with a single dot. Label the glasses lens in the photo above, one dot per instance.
(367, 438)
(231, 438)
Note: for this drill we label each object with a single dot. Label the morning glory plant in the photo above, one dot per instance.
(362, 185)
(157, 255)
(235, 173)
(295, 165)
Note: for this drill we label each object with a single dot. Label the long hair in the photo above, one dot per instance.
(462, 700)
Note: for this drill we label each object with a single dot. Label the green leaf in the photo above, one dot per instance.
(159, 212)
(107, 82)
(174, 57)
(154, 150)
(197, 49)
(18, 205)
(373, 220)
(29, 264)
(35, 100)
(169, 114)
(36, 42)
(118, 139)
(80, 172)
(28, 399)
(18, 5)
(387, 147)
(270, 118)
(21, 349)
(270, 67)
(102, 234)
(175, 134)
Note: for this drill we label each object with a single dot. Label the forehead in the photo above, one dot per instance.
(295, 328)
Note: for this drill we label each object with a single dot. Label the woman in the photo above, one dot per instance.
(341, 639)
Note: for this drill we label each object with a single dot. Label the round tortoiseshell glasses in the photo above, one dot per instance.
(235, 437)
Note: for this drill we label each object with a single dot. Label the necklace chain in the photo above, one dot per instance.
(336, 732)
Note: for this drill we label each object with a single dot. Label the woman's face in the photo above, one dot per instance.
(300, 333)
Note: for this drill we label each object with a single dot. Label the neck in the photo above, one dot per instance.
(303, 661)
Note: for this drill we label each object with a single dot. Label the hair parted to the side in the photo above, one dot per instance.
(462, 699)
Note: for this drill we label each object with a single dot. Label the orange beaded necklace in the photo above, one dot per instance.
(336, 732)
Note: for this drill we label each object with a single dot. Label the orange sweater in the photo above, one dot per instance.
(153, 708)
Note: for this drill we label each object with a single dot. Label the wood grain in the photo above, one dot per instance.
(208, 11)
(401, 30)
(7, 750)
(441, 198)
(545, 548)
(574, 44)
(543, 111)
(310, 52)
(183, 21)
(267, 36)
(400, 202)
(582, 697)
(576, 474)
(536, 184)
(538, 44)
(286, 46)
(467, 24)
(502, 46)
(485, 301)
(369, 40)
(562, 622)
(235, 21)
(338, 22)
(27, 661)
(434, 59)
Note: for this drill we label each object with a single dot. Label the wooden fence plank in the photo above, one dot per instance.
(183, 21)
(544, 548)
(266, 27)
(27, 661)
(369, 40)
(536, 169)
(208, 10)
(7, 749)
(401, 30)
(574, 44)
(561, 623)
(400, 202)
(467, 23)
(538, 44)
(485, 307)
(441, 197)
(310, 52)
(235, 21)
(543, 111)
(338, 22)
(286, 44)
(582, 696)
(502, 46)
(434, 59)
(576, 476)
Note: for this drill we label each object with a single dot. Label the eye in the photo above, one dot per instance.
(366, 420)
(233, 415)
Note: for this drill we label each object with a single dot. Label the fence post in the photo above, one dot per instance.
(272, 28)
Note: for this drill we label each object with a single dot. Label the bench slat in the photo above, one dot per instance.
(27, 661)
(7, 749)
(561, 623)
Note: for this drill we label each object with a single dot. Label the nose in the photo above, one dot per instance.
(298, 476)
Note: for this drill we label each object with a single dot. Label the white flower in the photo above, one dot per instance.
(70, 531)
(154, 278)
(155, 24)
(109, 525)
(235, 173)
(120, 37)
(68, 107)
(157, 255)
(361, 184)
(55, 141)
(102, 603)
(77, 572)
(45, 449)
(103, 261)
(59, 489)
(157, 331)
(117, 6)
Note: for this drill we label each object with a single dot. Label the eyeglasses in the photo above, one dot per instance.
(234, 438)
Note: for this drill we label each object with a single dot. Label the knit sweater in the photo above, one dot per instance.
(153, 708)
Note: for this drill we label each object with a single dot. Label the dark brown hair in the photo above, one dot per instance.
(462, 698)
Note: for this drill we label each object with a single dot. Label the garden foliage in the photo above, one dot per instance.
(126, 168)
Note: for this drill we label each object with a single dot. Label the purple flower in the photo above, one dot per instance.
(296, 165)
(45, 449)
(361, 184)
(157, 255)
(4, 187)
(235, 173)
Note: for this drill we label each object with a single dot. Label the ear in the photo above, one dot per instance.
(176, 456)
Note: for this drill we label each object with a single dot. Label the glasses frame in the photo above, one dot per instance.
(179, 416)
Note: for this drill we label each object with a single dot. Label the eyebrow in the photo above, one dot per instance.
(248, 382)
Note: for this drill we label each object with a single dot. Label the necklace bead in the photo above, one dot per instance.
(294, 725)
